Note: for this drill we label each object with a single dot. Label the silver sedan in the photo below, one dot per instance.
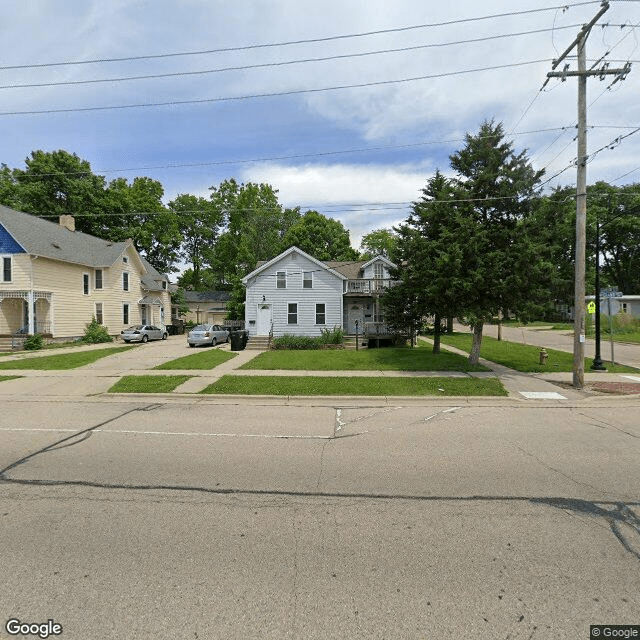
(207, 334)
(143, 333)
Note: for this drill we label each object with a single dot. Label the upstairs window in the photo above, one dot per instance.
(98, 279)
(6, 270)
(378, 271)
(125, 281)
(85, 284)
(281, 280)
(307, 279)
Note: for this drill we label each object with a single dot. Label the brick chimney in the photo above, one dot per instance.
(68, 222)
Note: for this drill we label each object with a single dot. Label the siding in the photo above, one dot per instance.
(327, 289)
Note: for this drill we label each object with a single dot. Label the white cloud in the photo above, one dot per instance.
(362, 197)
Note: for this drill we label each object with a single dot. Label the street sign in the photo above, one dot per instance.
(591, 307)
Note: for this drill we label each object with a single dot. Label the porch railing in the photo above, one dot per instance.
(40, 327)
(368, 285)
(377, 329)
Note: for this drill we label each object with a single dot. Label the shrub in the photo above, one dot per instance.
(95, 333)
(329, 337)
(34, 342)
(332, 336)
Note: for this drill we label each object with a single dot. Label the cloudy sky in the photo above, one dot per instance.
(344, 106)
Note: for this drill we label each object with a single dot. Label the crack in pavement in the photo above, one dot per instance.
(77, 438)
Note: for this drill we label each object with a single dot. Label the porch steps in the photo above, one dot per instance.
(261, 343)
(350, 342)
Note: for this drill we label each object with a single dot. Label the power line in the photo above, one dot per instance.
(294, 42)
(264, 65)
(319, 154)
(175, 103)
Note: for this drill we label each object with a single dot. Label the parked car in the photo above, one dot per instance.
(143, 333)
(207, 334)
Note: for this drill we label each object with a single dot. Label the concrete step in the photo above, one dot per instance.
(258, 342)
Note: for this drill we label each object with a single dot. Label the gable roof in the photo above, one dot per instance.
(48, 239)
(264, 265)
(207, 296)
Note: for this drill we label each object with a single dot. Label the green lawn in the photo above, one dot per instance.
(522, 357)
(62, 360)
(356, 386)
(147, 384)
(207, 359)
(386, 359)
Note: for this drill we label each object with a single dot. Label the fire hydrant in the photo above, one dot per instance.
(543, 356)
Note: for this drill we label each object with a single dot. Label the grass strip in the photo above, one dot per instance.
(356, 386)
(148, 384)
(419, 358)
(62, 360)
(523, 357)
(3, 378)
(208, 359)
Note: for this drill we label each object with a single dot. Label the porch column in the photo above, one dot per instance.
(30, 313)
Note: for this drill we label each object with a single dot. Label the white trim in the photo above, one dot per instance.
(300, 252)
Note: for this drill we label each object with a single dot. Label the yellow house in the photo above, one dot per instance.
(54, 279)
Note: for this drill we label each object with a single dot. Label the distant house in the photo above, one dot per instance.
(296, 294)
(621, 304)
(206, 307)
(55, 279)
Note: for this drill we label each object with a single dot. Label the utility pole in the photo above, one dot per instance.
(581, 180)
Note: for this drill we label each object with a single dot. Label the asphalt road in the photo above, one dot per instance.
(136, 519)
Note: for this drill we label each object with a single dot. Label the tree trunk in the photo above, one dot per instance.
(436, 334)
(474, 356)
(500, 324)
(450, 324)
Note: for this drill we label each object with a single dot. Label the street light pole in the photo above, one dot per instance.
(597, 361)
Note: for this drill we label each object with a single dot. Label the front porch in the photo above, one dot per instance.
(25, 313)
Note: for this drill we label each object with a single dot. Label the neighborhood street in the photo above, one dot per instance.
(171, 517)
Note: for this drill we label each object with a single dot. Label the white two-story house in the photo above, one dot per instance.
(296, 294)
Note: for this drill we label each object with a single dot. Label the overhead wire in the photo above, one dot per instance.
(271, 64)
(294, 42)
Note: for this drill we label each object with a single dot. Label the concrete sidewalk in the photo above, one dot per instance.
(624, 353)
(97, 378)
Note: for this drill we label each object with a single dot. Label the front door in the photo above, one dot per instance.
(355, 312)
(263, 321)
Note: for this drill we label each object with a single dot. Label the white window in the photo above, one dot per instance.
(307, 279)
(85, 284)
(98, 279)
(125, 281)
(6, 269)
(320, 313)
(292, 313)
(378, 271)
(98, 313)
(281, 279)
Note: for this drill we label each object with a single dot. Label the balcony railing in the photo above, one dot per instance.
(376, 285)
